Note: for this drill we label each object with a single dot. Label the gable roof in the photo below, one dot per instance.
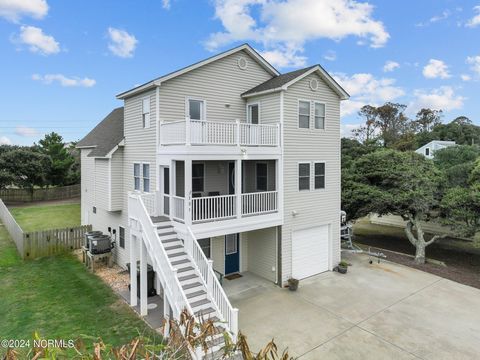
(156, 82)
(105, 136)
(282, 82)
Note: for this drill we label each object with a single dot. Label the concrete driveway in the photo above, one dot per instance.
(378, 311)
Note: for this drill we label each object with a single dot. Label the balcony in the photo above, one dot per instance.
(199, 132)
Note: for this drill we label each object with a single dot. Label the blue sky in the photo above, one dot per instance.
(63, 62)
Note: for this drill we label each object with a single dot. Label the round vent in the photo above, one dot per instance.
(314, 84)
(242, 63)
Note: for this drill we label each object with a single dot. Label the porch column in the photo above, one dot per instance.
(133, 270)
(172, 180)
(188, 191)
(238, 187)
(279, 184)
(143, 279)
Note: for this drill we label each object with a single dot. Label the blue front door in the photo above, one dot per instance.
(232, 254)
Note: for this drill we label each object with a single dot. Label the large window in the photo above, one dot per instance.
(319, 175)
(136, 177)
(253, 114)
(304, 176)
(319, 116)
(146, 113)
(304, 114)
(146, 177)
(261, 176)
(206, 247)
(196, 109)
(198, 177)
(121, 237)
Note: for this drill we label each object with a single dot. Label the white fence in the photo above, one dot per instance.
(259, 202)
(210, 208)
(178, 208)
(15, 231)
(258, 135)
(172, 133)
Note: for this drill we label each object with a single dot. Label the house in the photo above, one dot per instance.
(225, 166)
(428, 150)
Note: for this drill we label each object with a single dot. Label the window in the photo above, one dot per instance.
(205, 245)
(136, 177)
(253, 114)
(121, 237)
(320, 175)
(304, 114)
(198, 177)
(146, 113)
(196, 109)
(262, 176)
(319, 116)
(146, 177)
(427, 151)
(94, 210)
(231, 244)
(304, 176)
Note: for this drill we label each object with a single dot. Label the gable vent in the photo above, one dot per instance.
(242, 63)
(314, 84)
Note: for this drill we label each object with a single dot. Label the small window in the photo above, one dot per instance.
(320, 175)
(253, 114)
(146, 177)
(205, 246)
(262, 176)
(304, 114)
(121, 237)
(231, 244)
(94, 209)
(146, 113)
(196, 109)
(319, 116)
(427, 151)
(198, 177)
(136, 177)
(304, 176)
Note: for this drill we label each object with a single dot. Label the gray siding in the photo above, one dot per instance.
(102, 188)
(262, 252)
(116, 179)
(269, 107)
(315, 206)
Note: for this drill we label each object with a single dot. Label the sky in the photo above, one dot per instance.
(63, 62)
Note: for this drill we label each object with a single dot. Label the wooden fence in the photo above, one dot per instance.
(35, 244)
(25, 195)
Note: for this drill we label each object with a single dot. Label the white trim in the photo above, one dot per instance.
(269, 68)
(324, 176)
(309, 115)
(248, 105)
(324, 115)
(309, 176)
(157, 133)
(141, 190)
(146, 125)
(203, 110)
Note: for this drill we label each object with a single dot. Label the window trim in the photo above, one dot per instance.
(248, 119)
(187, 108)
(149, 177)
(144, 123)
(309, 176)
(141, 178)
(324, 176)
(324, 116)
(120, 237)
(204, 171)
(256, 175)
(309, 114)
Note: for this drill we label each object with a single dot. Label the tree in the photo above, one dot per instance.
(457, 162)
(367, 133)
(461, 130)
(461, 210)
(392, 122)
(53, 146)
(393, 182)
(426, 119)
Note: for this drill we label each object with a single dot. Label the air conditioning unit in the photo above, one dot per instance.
(100, 244)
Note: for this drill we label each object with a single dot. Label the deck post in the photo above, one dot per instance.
(210, 277)
(133, 270)
(188, 191)
(188, 133)
(237, 140)
(238, 187)
(143, 279)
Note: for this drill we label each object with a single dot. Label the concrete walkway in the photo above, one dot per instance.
(378, 311)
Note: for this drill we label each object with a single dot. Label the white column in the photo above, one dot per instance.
(166, 315)
(172, 189)
(133, 270)
(238, 186)
(143, 279)
(188, 191)
(188, 132)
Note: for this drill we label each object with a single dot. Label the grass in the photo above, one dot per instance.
(60, 299)
(36, 218)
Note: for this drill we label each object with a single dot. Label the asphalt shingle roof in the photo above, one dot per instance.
(106, 135)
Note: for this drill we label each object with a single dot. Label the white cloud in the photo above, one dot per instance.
(390, 66)
(346, 129)
(474, 61)
(122, 43)
(37, 41)
(436, 69)
(465, 77)
(14, 10)
(166, 4)
(442, 98)
(330, 55)
(284, 58)
(474, 21)
(64, 81)
(365, 89)
(436, 18)
(288, 24)
(25, 131)
(5, 140)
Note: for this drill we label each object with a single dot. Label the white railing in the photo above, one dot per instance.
(150, 202)
(178, 208)
(210, 208)
(220, 300)
(258, 135)
(259, 202)
(200, 132)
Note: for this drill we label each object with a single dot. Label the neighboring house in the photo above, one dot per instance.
(428, 150)
(232, 158)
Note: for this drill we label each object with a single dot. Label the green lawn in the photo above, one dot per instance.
(60, 299)
(35, 218)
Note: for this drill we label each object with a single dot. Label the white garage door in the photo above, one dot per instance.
(310, 251)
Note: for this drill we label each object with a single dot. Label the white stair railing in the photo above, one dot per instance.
(224, 308)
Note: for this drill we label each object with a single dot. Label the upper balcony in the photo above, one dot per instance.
(219, 133)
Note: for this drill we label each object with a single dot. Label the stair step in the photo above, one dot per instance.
(161, 226)
(188, 277)
(217, 341)
(180, 262)
(185, 269)
(206, 311)
(159, 219)
(196, 293)
(166, 241)
(173, 247)
(200, 302)
(176, 254)
(191, 286)
(167, 234)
